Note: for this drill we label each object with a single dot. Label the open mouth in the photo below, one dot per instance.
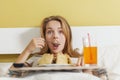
(56, 44)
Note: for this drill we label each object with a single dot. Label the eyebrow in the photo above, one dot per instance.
(51, 28)
(48, 28)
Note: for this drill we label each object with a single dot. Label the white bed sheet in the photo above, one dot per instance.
(55, 76)
(46, 75)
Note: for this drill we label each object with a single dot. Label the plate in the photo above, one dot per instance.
(55, 65)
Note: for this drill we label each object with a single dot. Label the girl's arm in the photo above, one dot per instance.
(35, 43)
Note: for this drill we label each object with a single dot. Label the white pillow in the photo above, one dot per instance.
(109, 57)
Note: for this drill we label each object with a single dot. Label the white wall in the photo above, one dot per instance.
(14, 40)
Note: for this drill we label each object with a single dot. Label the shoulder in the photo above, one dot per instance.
(66, 55)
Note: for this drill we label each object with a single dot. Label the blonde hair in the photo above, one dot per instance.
(67, 32)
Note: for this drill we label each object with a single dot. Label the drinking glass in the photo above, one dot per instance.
(89, 50)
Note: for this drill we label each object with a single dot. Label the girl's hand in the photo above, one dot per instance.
(36, 43)
(80, 61)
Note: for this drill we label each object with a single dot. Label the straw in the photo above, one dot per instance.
(83, 42)
(89, 46)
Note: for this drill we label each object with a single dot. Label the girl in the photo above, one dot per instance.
(55, 41)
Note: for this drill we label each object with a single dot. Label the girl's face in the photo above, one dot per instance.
(55, 37)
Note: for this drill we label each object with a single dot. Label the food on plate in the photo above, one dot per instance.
(60, 58)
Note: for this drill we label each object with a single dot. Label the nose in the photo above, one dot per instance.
(56, 35)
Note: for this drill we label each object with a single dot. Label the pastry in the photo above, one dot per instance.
(60, 58)
(46, 59)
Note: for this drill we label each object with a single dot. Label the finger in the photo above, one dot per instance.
(40, 45)
(81, 61)
(78, 62)
(39, 42)
(42, 39)
(39, 39)
(82, 64)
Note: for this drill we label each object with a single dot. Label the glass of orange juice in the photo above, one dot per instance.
(90, 55)
(89, 51)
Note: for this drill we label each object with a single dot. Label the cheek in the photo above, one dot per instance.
(63, 39)
(48, 39)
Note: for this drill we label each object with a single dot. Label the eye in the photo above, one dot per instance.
(60, 31)
(49, 32)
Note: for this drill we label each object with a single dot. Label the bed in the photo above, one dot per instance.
(108, 42)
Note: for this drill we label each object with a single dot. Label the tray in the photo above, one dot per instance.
(54, 68)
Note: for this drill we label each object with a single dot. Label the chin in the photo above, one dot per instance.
(56, 51)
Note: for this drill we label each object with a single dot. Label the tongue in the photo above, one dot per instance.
(56, 45)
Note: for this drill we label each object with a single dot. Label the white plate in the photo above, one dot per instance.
(55, 65)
